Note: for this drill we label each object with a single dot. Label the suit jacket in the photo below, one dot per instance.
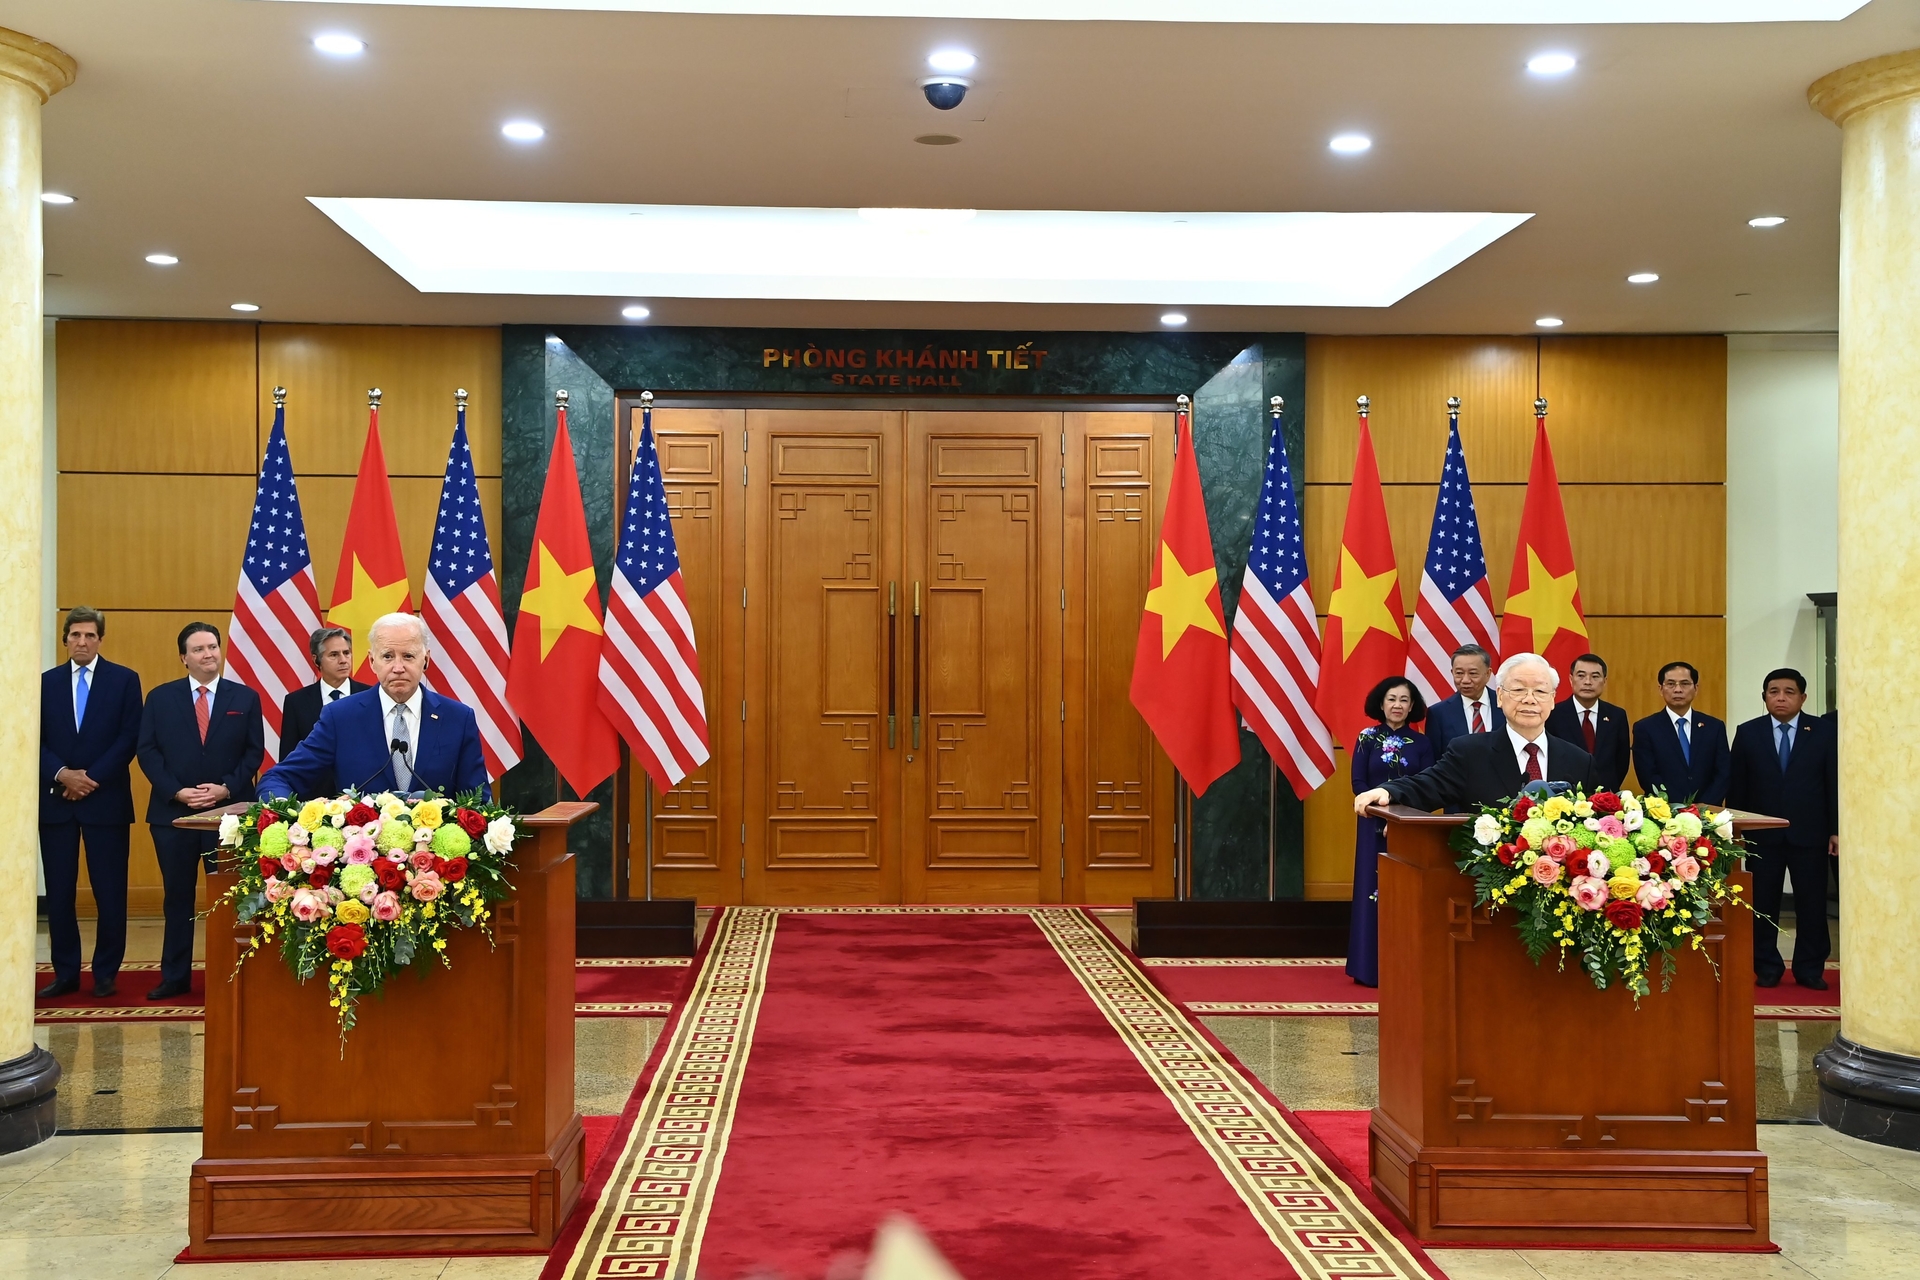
(173, 757)
(301, 711)
(349, 748)
(1658, 763)
(103, 744)
(1612, 749)
(1481, 768)
(1807, 795)
(1447, 720)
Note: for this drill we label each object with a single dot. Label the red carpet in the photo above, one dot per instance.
(628, 988)
(129, 1001)
(1000, 1076)
(1345, 1135)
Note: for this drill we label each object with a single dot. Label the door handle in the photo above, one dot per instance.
(893, 660)
(916, 666)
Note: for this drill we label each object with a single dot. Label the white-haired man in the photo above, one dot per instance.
(397, 736)
(1487, 767)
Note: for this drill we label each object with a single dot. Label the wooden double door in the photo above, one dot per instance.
(916, 633)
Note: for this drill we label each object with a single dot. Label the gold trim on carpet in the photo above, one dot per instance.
(631, 1008)
(1311, 1215)
(1282, 1006)
(653, 1213)
(1216, 962)
(1797, 1012)
(635, 962)
(151, 1013)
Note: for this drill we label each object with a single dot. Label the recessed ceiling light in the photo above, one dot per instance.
(1643, 277)
(1551, 64)
(635, 312)
(337, 44)
(55, 197)
(162, 259)
(937, 140)
(1173, 318)
(1549, 322)
(1771, 220)
(522, 131)
(951, 60)
(243, 306)
(1350, 144)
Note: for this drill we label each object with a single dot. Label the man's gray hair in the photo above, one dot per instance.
(325, 636)
(1519, 660)
(408, 621)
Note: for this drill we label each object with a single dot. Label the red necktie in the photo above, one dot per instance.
(1533, 762)
(1479, 725)
(1586, 728)
(201, 711)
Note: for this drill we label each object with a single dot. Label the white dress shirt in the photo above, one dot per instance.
(1520, 745)
(1485, 703)
(414, 727)
(329, 692)
(73, 678)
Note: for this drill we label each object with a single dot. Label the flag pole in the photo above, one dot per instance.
(1274, 407)
(1182, 794)
(626, 752)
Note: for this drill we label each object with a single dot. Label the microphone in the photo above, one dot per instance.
(406, 755)
(392, 747)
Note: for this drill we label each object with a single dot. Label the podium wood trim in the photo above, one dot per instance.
(1520, 1105)
(448, 1124)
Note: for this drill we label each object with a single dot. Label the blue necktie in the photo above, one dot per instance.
(1786, 745)
(1686, 746)
(80, 698)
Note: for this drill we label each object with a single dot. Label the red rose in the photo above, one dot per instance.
(1657, 863)
(1624, 915)
(440, 866)
(266, 819)
(1693, 809)
(347, 941)
(1522, 807)
(361, 814)
(1705, 853)
(319, 876)
(392, 874)
(269, 868)
(1506, 853)
(1703, 842)
(474, 824)
(1577, 863)
(456, 869)
(1604, 802)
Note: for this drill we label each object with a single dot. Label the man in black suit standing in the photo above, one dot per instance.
(1471, 709)
(1786, 764)
(1599, 728)
(89, 725)
(201, 742)
(1679, 748)
(332, 650)
(1485, 768)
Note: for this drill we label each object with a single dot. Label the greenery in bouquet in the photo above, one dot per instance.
(1615, 878)
(364, 887)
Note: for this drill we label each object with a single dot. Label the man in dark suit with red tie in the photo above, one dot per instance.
(201, 742)
(1786, 764)
(1471, 709)
(89, 725)
(1679, 748)
(1597, 727)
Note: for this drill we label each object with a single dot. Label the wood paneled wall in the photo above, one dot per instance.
(161, 428)
(1638, 427)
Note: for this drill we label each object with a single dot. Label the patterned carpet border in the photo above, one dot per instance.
(1253, 1008)
(634, 962)
(1217, 962)
(107, 1013)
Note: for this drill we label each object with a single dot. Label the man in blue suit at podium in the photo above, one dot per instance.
(397, 736)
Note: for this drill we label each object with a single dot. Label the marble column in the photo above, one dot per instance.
(1870, 1075)
(30, 73)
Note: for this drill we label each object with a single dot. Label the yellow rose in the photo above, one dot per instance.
(428, 814)
(1558, 807)
(1624, 884)
(393, 808)
(1582, 809)
(351, 912)
(338, 806)
(1657, 809)
(311, 813)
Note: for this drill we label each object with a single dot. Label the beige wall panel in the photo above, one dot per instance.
(327, 369)
(152, 542)
(146, 395)
(1633, 409)
(325, 500)
(1409, 379)
(1329, 834)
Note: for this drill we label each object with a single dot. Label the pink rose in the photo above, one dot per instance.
(309, 905)
(1611, 827)
(277, 889)
(325, 856)
(386, 906)
(422, 859)
(1674, 845)
(425, 887)
(1686, 868)
(1653, 896)
(359, 849)
(1590, 893)
(1546, 870)
(1559, 848)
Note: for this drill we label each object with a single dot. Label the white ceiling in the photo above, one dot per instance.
(201, 127)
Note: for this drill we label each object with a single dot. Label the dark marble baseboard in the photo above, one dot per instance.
(1870, 1093)
(28, 1098)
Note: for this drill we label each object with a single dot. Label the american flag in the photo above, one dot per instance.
(462, 610)
(276, 609)
(649, 668)
(1276, 635)
(1456, 604)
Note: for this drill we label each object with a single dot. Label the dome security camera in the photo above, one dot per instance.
(944, 93)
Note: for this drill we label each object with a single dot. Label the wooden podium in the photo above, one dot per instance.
(449, 1124)
(1518, 1104)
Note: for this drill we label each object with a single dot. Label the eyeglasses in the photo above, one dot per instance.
(1529, 695)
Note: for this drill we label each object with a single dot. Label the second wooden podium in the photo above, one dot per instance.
(1518, 1104)
(448, 1125)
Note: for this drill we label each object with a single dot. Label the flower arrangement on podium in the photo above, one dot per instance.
(366, 886)
(1617, 878)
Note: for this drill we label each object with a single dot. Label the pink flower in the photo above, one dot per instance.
(299, 835)
(277, 889)
(1559, 848)
(1590, 893)
(1686, 868)
(425, 887)
(359, 850)
(325, 856)
(1597, 865)
(1545, 869)
(309, 905)
(386, 906)
(369, 891)
(1674, 845)
(1610, 826)
(1653, 896)
(422, 859)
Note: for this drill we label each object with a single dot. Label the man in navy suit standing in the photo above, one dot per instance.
(89, 725)
(201, 741)
(398, 736)
(1786, 764)
(1599, 728)
(1471, 709)
(1679, 748)
(332, 650)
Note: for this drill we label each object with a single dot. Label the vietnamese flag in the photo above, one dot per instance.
(1544, 614)
(372, 578)
(1365, 639)
(553, 676)
(1180, 665)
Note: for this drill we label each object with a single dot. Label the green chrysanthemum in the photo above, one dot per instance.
(394, 835)
(449, 841)
(275, 840)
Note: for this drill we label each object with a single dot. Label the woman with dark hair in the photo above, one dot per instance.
(1390, 748)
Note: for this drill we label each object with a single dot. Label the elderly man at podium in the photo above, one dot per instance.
(1483, 768)
(396, 736)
